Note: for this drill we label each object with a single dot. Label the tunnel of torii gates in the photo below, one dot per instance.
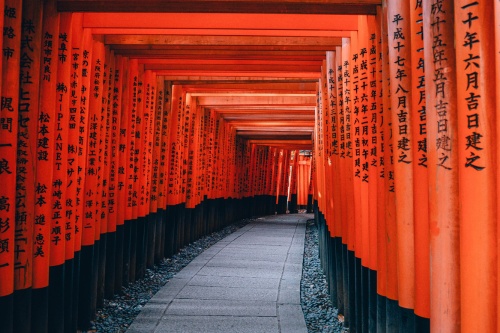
(129, 129)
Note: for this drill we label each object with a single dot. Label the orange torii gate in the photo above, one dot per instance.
(118, 149)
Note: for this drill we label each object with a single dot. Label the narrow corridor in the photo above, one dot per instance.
(247, 282)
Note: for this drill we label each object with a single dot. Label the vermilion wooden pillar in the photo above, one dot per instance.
(497, 52)
(26, 165)
(400, 68)
(442, 148)
(333, 109)
(85, 147)
(382, 165)
(9, 115)
(76, 156)
(477, 164)
(342, 142)
(59, 179)
(98, 123)
(156, 191)
(390, 195)
(113, 203)
(419, 146)
(348, 120)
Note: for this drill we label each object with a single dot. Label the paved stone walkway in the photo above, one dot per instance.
(247, 282)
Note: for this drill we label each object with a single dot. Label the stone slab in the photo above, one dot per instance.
(190, 307)
(217, 324)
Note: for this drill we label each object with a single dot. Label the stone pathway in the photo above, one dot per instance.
(247, 282)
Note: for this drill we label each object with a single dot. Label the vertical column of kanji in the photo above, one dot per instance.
(114, 105)
(9, 117)
(185, 116)
(359, 225)
(74, 27)
(86, 162)
(45, 160)
(98, 99)
(103, 174)
(59, 181)
(348, 119)
(142, 130)
(220, 157)
(341, 246)
(318, 139)
(333, 146)
(381, 147)
(173, 164)
(75, 170)
(372, 150)
(354, 142)
(390, 208)
(419, 146)
(151, 221)
(208, 166)
(124, 213)
(342, 141)
(441, 116)
(94, 166)
(2, 3)
(399, 24)
(132, 170)
(192, 157)
(218, 142)
(477, 163)
(29, 64)
(359, 78)
(327, 146)
(164, 169)
(154, 200)
(202, 155)
(186, 190)
(144, 116)
(372, 137)
(363, 126)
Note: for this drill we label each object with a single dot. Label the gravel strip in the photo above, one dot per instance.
(319, 313)
(119, 312)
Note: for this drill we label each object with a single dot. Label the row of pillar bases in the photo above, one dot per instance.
(353, 290)
(78, 287)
